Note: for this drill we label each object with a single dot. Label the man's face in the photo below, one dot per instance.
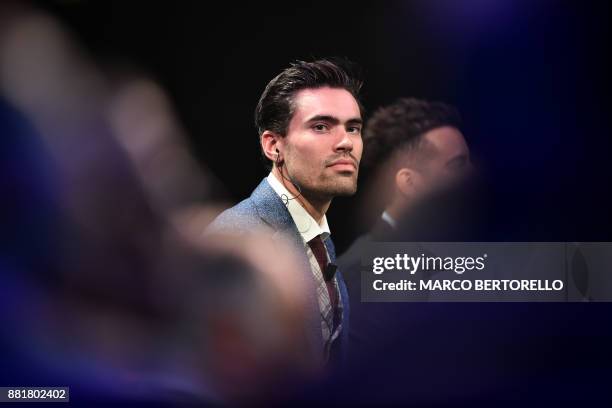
(446, 158)
(323, 145)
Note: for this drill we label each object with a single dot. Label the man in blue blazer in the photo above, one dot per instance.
(309, 121)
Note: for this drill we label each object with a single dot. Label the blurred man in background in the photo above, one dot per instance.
(415, 148)
(309, 121)
(416, 151)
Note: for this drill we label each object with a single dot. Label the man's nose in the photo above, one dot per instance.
(345, 143)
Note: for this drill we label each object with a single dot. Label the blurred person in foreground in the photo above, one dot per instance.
(107, 287)
(309, 121)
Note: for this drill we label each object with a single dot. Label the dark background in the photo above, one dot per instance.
(530, 78)
(532, 82)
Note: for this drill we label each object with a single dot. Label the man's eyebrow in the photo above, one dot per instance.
(324, 118)
(333, 120)
(355, 121)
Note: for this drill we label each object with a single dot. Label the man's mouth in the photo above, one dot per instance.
(343, 164)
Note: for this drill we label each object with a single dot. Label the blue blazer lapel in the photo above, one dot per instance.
(271, 209)
(344, 338)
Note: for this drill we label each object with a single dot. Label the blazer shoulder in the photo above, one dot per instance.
(241, 218)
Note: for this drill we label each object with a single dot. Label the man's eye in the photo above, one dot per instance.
(354, 129)
(320, 127)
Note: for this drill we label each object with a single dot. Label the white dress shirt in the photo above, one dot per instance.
(309, 228)
(306, 225)
(389, 219)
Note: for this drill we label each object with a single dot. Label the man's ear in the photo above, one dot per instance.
(271, 145)
(405, 179)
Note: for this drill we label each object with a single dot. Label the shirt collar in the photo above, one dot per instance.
(388, 219)
(306, 225)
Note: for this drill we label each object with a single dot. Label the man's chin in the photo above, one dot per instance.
(345, 193)
(343, 190)
(339, 187)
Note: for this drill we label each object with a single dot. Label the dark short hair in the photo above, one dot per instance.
(401, 125)
(276, 104)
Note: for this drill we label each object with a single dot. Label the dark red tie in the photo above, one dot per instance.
(319, 251)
